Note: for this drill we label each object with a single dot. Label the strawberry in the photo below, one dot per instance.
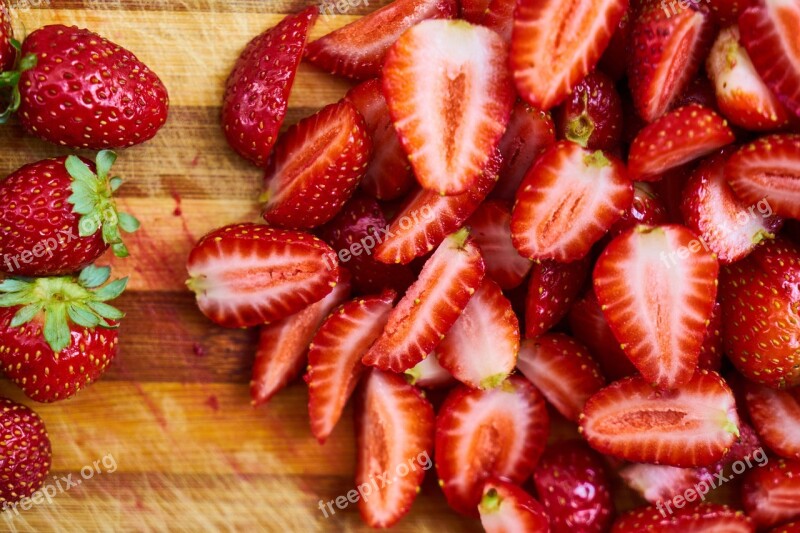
(8, 54)
(776, 416)
(429, 374)
(450, 97)
(742, 96)
(506, 508)
(760, 322)
(554, 45)
(80, 90)
(358, 49)
(283, 345)
(793, 527)
(572, 483)
(769, 33)
(334, 358)
(771, 493)
(647, 208)
(25, 456)
(491, 227)
(394, 426)
(726, 12)
(657, 289)
(768, 170)
(431, 305)
(500, 17)
(690, 426)
(552, 289)
(613, 61)
(711, 350)
(680, 136)
(473, 10)
(58, 334)
(592, 114)
(659, 483)
(484, 434)
(563, 370)
(567, 201)
(248, 274)
(700, 518)
(59, 216)
(666, 50)
(480, 350)
(700, 91)
(316, 167)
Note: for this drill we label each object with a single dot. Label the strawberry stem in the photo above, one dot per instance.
(490, 502)
(10, 79)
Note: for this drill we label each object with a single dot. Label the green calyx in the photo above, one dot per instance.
(57, 301)
(490, 502)
(92, 197)
(9, 81)
(579, 129)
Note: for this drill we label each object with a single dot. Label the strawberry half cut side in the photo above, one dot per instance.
(505, 508)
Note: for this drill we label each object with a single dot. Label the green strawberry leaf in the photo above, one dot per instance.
(78, 170)
(56, 327)
(83, 317)
(104, 161)
(93, 276)
(106, 311)
(110, 291)
(128, 223)
(25, 314)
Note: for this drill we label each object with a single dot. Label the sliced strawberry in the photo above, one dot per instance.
(283, 345)
(450, 98)
(659, 483)
(613, 60)
(666, 51)
(474, 10)
(771, 493)
(500, 17)
(776, 416)
(483, 434)
(592, 115)
(334, 357)
(429, 374)
(431, 305)
(358, 49)
(793, 527)
(481, 348)
(657, 287)
(680, 136)
(711, 350)
(563, 370)
(700, 91)
(394, 429)
(646, 208)
(768, 170)
(506, 508)
(769, 33)
(726, 12)
(249, 274)
(316, 166)
(555, 44)
(552, 289)
(701, 518)
(567, 201)
(491, 227)
(691, 426)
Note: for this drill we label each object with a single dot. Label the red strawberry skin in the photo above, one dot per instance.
(592, 115)
(87, 92)
(7, 52)
(506, 508)
(771, 493)
(552, 289)
(647, 208)
(25, 457)
(702, 518)
(258, 87)
(776, 417)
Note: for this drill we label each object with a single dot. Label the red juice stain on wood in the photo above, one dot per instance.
(213, 402)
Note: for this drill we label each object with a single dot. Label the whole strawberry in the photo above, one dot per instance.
(24, 452)
(86, 92)
(58, 216)
(58, 334)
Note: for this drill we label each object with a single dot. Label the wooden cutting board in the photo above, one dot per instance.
(173, 413)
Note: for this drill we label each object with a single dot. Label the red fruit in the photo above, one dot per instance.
(567, 202)
(613, 60)
(394, 427)
(700, 91)
(776, 416)
(666, 51)
(428, 373)
(283, 345)
(431, 305)
(726, 12)
(592, 114)
(690, 426)
(500, 17)
(552, 289)
(711, 350)
(257, 90)
(659, 483)
(316, 166)
(657, 289)
(481, 348)
(701, 518)
(563, 370)
(357, 50)
(484, 434)
(506, 508)
(793, 527)
(334, 357)
(647, 208)
(771, 493)
(8, 53)
(473, 10)
(248, 274)
(769, 33)
(25, 456)
(491, 227)
(450, 97)
(555, 44)
(572, 483)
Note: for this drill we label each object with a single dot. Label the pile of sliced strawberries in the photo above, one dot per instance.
(576, 217)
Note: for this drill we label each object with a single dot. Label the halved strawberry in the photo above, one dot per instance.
(776, 417)
(249, 274)
(690, 426)
(657, 287)
(680, 136)
(592, 115)
(563, 370)
(506, 508)
(647, 208)
(491, 227)
(429, 374)
(768, 170)
(357, 50)
(431, 305)
(659, 483)
(555, 44)
(450, 96)
(552, 289)
(473, 10)
(500, 17)
(283, 345)
(771, 493)
(769, 33)
(482, 434)
(614, 60)
(711, 350)
(394, 429)
(481, 348)
(793, 527)
(699, 518)
(567, 201)
(726, 12)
